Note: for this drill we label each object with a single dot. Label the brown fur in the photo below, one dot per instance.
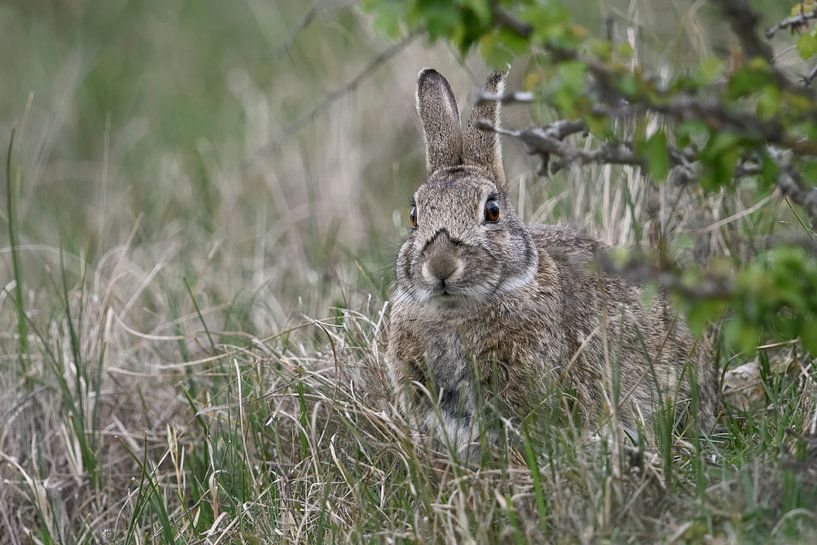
(519, 307)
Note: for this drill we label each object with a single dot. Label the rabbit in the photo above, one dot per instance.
(481, 298)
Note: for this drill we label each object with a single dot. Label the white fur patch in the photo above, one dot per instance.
(451, 430)
(521, 280)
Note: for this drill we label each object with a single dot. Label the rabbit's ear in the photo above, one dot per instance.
(483, 147)
(440, 119)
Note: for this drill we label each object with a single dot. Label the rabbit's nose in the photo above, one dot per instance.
(442, 262)
(441, 267)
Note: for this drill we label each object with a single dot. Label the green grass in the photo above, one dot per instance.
(192, 320)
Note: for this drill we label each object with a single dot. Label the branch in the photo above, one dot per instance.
(305, 21)
(743, 21)
(549, 140)
(807, 79)
(795, 23)
(637, 268)
(505, 19)
(713, 113)
(791, 185)
(709, 110)
(298, 28)
(330, 99)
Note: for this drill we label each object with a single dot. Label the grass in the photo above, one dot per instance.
(192, 320)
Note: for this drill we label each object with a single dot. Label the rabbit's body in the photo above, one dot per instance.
(484, 303)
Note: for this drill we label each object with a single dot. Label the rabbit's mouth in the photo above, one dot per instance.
(454, 295)
(444, 292)
(447, 295)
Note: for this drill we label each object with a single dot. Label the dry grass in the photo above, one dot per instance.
(203, 298)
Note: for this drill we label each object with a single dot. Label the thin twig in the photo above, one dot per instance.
(505, 19)
(330, 99)
(549, 140)
(791, 184)
(710, 110)
(305, 21)
(807, 79)
(744, 20)
(795, 23)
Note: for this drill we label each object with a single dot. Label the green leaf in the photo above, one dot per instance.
(769, 171)
(569, 86)
(624, 51)
(550, 22)
(808, 335)
(600, 126)
(657, 155)
(769, 103)
(741, 336)
(481, 9)
(809, 170)
(719, 157)
(500, 47)
(710, 69)
(441, 20)
(629, 84)
(601, 49)
(747, 79)
(702, 313)
(807, 44)
(806, 7)
(387, 19)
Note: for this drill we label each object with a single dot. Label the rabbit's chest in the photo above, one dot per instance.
(458, 355)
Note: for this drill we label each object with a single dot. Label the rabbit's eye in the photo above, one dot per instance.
(413, 217)
(491, 211)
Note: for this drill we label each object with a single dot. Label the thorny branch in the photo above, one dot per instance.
(795, 23)
(791, 184)
(549, 140)
(807, 79)
(743, 20)
(681, 107)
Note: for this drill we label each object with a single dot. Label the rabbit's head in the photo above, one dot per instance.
(466, 244)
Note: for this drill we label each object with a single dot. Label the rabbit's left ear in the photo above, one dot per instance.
(441, 121)
(483, 147)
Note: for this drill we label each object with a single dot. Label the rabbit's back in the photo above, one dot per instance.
(626, 349)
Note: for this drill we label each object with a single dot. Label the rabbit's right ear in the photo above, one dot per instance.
(440, 119)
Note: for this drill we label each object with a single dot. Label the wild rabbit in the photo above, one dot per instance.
(482, 299)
